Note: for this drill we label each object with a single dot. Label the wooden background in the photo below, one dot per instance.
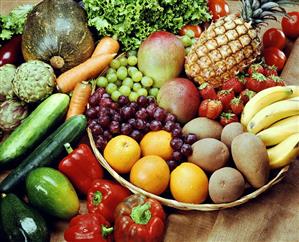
(272, 217)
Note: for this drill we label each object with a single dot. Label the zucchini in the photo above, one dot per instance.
(33, 129)
(47, 152)
(19, 222)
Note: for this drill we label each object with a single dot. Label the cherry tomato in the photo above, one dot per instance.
(218, 8)
(274, 38)
(274, 56)
(195, 28)
(290, 26)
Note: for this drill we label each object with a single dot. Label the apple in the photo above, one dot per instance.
(180, 97)
(161, 56)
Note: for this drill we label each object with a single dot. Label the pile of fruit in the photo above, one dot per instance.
(194, 114)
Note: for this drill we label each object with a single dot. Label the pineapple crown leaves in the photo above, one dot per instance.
(259, 11)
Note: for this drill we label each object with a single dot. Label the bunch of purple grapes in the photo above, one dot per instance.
(107, 119)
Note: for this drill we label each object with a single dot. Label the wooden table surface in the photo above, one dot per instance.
(272, 217)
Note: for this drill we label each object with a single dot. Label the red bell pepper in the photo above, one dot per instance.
(88, 228)
(81, 167)
(139, 219)
(103, 197)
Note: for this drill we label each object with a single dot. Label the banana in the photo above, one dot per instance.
(279, 131)
(272, 113)
(295, 91)
(283, 153)
(263, 99)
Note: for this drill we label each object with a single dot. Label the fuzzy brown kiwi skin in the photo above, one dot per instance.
(231, 131)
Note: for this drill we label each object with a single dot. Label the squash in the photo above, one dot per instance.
(56, 32)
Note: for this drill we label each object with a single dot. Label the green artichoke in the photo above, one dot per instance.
(34, 81)
(12, 112)
(7, 73)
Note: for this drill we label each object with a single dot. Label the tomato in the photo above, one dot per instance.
(274, 56)
(274, 38)
(290, 26)
(218, 8)
(195, 28)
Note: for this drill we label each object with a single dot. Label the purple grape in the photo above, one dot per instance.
(101, 143)
(170, 117)
(126, 128)
(142, 101)
(186, 150)
(151, 100)
(126, 112)
(106, 102)
(141, 114)
(176, 132)
(97, 129)
(137, 135)
(105, 95)
(155, 125)
(100, 91)
(172, 164)
(134, 107)
(116, 117)
(92, 123)
(123, 100)
(103, 112)
(104, 121)
(114, 106)
(147, 127)
(93, 100)
(107, 135)
(140, 124)
(150, 109)
(177, 156)
(132, 122)
(159, 114)
(91, 113)
(114, 127)
(177, 126)
(169, 126)
(176, 143)
(190, 139)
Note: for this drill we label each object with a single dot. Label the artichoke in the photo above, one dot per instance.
(12, 112)
(34, 81)
(7, 73)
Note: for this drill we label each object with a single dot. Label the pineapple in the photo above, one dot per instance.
(231, 43)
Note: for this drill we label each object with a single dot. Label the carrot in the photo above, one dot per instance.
(107, 45)
(79, 99)
(89, 69)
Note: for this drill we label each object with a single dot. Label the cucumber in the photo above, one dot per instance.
(33, 129)
(19, 222)
(47, 152)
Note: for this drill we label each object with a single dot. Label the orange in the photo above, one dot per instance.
(151, 173)
(189, 183)
(121, 153)
(157, 143)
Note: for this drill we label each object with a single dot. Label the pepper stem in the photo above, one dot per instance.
(97, 198)
(106, 231)
(141, 214)
(68, 148)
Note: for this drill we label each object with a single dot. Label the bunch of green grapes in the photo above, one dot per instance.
(188, 40)
(124, 78)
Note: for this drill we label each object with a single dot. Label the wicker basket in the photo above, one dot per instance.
(180, 205)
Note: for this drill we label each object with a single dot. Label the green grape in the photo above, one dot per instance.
(137, 76)
(142, 92)
(146, 81)
(118, 83)
(132, 70)
(111, 87)
(186, 41)
(128, 82)
(136, 86)
(110, 70)
(115, 64)
(125, 90)
(123, 61)
(122, 73)
(102, 81)
(111, 77)
(132, 53)
(115, 95)
(187, 50)
(190, 33)
(154, 91)
(133, 96)
(193, 41)
(132, 60)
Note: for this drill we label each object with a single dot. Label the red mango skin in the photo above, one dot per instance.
(161, 56)
(11, 51)
(180, 97)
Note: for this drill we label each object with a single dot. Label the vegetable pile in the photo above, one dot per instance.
(133, 21)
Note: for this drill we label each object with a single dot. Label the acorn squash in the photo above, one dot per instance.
(56, 32)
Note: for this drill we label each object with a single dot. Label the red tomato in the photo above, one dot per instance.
(218, 8)
(274, 38)
(290, 26)
(275, 57)
(195, 28)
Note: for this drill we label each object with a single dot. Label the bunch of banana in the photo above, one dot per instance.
(273, 115)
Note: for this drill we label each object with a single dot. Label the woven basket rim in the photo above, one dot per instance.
(180, 205)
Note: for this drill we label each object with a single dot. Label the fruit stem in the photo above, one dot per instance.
(141, 214)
